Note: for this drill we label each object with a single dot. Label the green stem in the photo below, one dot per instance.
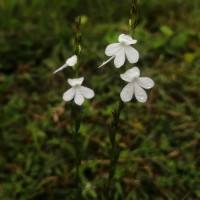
(76, 142)
(75, 113)
(114, 150)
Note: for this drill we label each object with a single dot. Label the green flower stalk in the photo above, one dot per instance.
(75, 111)
(114, 150)
(75, 114)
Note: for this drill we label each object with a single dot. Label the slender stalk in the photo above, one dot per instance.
(114, 150)
(76, 117)
(75, 114)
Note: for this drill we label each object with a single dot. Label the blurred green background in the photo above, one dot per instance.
(160, 140)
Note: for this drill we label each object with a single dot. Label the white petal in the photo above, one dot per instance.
(112, 49)
(78, 99)
(119, 59)
(61, 68)
(75, 81)
(126, 76)
(131, 54)
(130, 74)
(69, 94)
(72, 60)
(140, 93)
(86, 92)
(127, 39)
(146, 82)
(127, 92)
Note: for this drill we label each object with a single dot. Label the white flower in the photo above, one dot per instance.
(135, 85)
(69, 62)
(77, 91)
(120, 50)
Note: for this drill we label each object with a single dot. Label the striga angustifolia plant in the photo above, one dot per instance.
(79, 93)
(119, 52)
(134, 89)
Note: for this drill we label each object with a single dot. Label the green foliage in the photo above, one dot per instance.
(159, 140)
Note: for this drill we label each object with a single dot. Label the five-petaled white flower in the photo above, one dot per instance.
(78, 92)
(135, 85)
(120, 50)
(69, 62)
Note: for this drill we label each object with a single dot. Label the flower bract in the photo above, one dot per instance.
(69, 62)
(77, 91)
(122, 50)
(135, 85)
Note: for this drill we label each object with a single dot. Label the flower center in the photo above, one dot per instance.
(76, 86)
(135, 79)
(123, 43)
